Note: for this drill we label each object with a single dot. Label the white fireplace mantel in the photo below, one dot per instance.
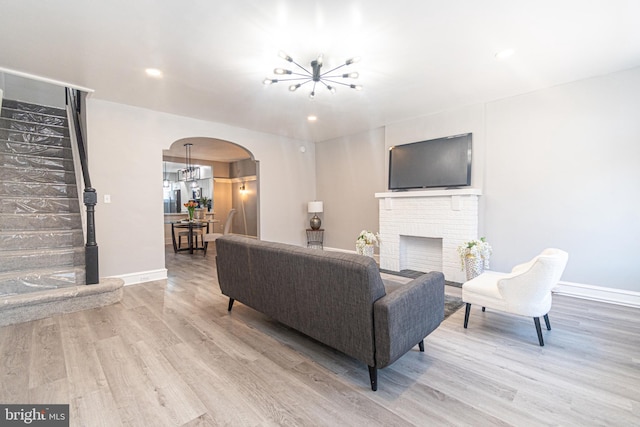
(431, 193)
(421, 230)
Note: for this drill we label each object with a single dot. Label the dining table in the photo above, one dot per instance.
(191, 226)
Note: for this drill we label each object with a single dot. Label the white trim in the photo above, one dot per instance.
(143, 276)
(598, 293)
(45, 79)
(430, 193)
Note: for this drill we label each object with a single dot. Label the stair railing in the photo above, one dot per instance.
(74, 99)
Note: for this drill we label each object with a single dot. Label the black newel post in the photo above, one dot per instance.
(91, 248)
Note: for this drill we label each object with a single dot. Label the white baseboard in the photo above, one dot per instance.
(598, 293)
(143, 276)
(346, 251)
(578, 290)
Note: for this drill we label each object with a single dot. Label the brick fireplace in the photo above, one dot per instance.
(421, 230)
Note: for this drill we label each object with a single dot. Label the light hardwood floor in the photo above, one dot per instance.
(171, 354)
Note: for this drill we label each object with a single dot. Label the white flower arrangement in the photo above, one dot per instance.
(475, 249)
(367, 238)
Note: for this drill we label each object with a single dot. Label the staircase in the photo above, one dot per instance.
(42, 253)
(41, 239)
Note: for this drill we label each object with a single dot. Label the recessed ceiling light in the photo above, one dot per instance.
(153, 72)
(504, 54)
(312, 118)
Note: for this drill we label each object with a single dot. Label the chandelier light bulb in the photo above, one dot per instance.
(356, 87)
(353, 75)
(331, 89)
(281, 71)
(268, 81)
(293, 88)
(352, 60)
(312, 95)
(284, 56)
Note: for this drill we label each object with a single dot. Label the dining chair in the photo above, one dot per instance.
(211, 237)
(197, 231)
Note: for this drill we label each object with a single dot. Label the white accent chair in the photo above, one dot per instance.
(212, 237)
(525, 291)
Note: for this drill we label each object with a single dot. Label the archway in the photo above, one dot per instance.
(227, 173)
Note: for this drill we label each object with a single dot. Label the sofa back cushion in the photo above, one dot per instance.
(326, 295)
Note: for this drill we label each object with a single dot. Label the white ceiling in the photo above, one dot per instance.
(418, 56)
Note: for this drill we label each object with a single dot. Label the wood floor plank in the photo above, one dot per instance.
(84, 371)
(224, 400)
(15, 344)
(97, 408)
(49, 366)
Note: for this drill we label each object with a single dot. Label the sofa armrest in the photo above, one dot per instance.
(405, 316)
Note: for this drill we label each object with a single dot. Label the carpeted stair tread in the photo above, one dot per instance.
(17, 125)
(40, 239)
(37, 280)
(13, 104)
(44, 221)
(38, 205)
(24, 260)
(51, 151)
(17, 136)
(38, 189)
(21, 160)
(21, 174)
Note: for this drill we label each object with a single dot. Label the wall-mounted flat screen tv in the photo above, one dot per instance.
(442, 162)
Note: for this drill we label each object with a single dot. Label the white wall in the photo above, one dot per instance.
(125, 151)
(562, 171)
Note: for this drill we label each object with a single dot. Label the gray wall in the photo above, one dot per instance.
(562, 170)
(557, 167)
(349, 171)
(23, 89)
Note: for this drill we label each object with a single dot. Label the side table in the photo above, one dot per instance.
(315, 238)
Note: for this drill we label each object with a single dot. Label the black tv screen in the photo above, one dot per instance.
(442, 162)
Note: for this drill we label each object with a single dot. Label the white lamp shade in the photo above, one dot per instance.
(314, 207)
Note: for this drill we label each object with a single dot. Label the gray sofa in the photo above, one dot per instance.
(336, 298)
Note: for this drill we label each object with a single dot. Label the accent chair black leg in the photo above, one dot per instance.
(466, 315)
(483, 309)
(421, 346)
(373, 377)
(231, 300)
(536, 320)
(546, 321)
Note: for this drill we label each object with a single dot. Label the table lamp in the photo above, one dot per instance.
(315, 207)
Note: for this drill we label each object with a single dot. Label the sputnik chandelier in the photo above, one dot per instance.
(315, 75)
